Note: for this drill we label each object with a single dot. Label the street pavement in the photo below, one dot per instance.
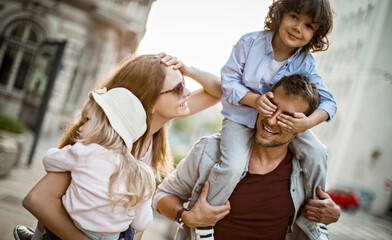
(13, 188)
(360, 226)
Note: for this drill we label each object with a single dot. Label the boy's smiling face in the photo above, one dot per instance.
(296, 30)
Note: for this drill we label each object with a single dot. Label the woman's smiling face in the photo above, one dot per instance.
(172, 104)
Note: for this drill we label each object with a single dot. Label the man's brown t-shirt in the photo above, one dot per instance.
(261, 206)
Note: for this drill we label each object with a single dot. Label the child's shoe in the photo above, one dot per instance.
(23, 232)
(204, 233)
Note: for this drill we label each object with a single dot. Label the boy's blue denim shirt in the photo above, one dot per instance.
(244, 71)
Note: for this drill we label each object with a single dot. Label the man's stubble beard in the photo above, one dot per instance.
(272, 144)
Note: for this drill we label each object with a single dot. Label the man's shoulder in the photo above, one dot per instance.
(209, 139)
(208, 145)
(309, 151)
(209, 142)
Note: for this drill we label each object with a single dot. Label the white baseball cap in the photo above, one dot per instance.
(124, 111)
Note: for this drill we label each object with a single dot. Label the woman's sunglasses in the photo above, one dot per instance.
(178, 89)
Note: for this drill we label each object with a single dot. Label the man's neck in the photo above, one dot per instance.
(265, 159)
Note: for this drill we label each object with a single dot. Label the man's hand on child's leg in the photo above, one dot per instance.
(324, 210)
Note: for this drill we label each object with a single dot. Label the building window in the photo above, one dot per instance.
(361, 16)
(358, 50)
(369, 13)
(18, 44)
(80, 81)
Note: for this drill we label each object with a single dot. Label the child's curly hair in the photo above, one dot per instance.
(319, 10)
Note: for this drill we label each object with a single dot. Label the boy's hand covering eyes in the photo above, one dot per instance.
(298, 123)
(264, 106)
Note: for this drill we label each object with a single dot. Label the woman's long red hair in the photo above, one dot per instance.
(143, 76)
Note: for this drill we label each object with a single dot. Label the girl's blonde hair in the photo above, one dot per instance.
(144, 77)
(136, 176)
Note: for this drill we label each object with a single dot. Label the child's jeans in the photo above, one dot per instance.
(236, 147)
(127, 235)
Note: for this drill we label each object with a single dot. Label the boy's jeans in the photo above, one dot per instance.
(236, 147)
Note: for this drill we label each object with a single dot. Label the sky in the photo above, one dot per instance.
(201, 33)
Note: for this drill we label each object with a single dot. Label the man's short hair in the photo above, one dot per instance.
(298, 85)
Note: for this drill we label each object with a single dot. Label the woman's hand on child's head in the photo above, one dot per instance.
(297, 123)
(169, 60)
(264, 106)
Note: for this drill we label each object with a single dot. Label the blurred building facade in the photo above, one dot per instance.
(98, 33)
(358, 70)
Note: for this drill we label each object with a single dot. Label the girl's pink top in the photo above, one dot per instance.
(86, 199)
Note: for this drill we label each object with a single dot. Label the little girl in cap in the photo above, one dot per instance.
(109, 186)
